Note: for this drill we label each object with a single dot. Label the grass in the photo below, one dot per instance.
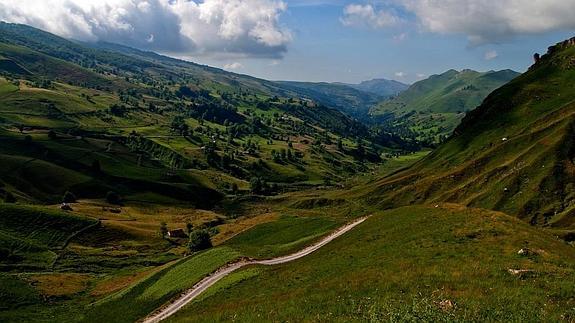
(400, 265)
(60, 284)
(517, 160)
(29, 235)
(285, 235)
(16, 292)
(146, 296)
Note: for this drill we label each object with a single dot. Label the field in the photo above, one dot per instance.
(282, 236)
(29, 236)
(144, 297)
(123, 266)
(417, 263)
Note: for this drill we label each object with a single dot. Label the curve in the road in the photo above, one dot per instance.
(209, 281)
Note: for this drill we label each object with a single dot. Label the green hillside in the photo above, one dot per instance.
(431, 109)
(512, 154)
(153, 124)
(412, 264)
(343, 97)
(126, 177)
(31, 236)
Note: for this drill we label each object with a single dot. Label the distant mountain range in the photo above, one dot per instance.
(355, 100)
(381, 87)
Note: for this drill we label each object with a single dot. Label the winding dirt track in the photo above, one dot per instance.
(209, 281)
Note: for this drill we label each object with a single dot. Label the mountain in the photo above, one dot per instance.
(431, 109)
(356, 100)
(345, 98)
(104, 117)
(514, 153)
(381, 87)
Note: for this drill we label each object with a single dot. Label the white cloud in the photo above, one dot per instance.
(482, 21)
(400, 74)
(421, 76)
(367, 15)
(233, 66)
(490, 55)
(400, 37)
(222, 27)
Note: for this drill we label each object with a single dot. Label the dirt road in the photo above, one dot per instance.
(209, 281)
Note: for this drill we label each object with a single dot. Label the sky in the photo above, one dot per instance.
(316, 40)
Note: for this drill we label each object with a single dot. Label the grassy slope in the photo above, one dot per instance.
(345, 98)
(30, 235)
(514, 153)
(78, 98)
(451, 91)
(282, 236)
(127, 271)
(144, 297)
(432, 108)
(399, 265)
(49, 67)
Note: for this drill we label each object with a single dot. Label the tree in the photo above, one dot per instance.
(96, 167)
(69, 197)
(257, 185)
(52, 135)
(234, 188)
(163, 230)
(199, 240)
(189, 227)
(113, 198)
(9, 198)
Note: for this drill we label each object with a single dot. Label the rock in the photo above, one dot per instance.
(516, 272)
(446, 305)
(526, 252)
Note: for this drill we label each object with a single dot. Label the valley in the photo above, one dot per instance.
(137, 187)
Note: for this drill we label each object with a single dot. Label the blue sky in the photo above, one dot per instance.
(316, 40)
(323, 49)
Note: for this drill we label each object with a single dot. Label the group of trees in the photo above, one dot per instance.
(260, 186)
(198, 238)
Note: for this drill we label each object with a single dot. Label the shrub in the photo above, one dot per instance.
(113, 198)
(164, 230)
(69, 197)
(9, 198)
(199, 240)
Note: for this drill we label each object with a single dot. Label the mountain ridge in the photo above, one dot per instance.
(512, 154)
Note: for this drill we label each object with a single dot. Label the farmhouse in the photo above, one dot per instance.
(178, 233)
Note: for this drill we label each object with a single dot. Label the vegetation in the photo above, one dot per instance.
(146, 296)
(199, 240)
(417, 263)
(106, 118)
(288, 234)
(430, 109)
(150, 149)
(512, 154)
(31, 236)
